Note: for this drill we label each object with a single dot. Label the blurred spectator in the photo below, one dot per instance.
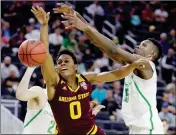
(6, 67)
(164, 43)
(164, 114)
(11, 82)
(171, 89)
(147, 13)
(168, 65)
(32, 33)
(55, 24)
(5, 30)
(160, 14)
(165, 126)
(70, 42)
(95, 9)
(103, 63)
(99, 93)
(109, 10)
(20, 39)
(81, 44)
(110, 105)
(81, 66)
(172, 39)
(92, 67)
(56, 39)
(10, 15)
(88, 56)
(119, 27)
(117, 93)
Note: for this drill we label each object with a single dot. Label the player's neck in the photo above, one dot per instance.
(72, 82)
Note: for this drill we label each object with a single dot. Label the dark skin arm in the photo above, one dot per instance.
(105, 44)
(48, 70)
(117, 54)
(114, 75)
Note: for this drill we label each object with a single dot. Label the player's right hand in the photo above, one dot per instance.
(64, 9)
(141, 63)
(40, 15)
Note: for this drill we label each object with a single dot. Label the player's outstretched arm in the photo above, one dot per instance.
(25, 94)
(74, 19)
(117, 74)
(49, 73)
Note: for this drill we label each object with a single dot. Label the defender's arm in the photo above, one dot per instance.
(114, 75)
(25, 94)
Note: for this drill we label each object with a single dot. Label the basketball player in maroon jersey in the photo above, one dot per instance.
(69, 92)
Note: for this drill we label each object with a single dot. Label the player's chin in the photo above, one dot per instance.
(65, 74)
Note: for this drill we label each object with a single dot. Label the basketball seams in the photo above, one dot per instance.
(35, 60)
(32, 59)
(34, 47)
(35, 54)
(26, 52)
(23, 53)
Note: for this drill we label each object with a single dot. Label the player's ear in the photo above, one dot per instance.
(76, 67)
(151, 56)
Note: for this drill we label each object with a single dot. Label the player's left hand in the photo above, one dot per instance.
(97, 108)
(40, 15)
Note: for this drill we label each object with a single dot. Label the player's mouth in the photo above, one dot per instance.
(64, 69)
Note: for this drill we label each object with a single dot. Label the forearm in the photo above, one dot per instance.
(81, 18)
(44, 35)
(102, 42)
(24, 84)
(125, 71)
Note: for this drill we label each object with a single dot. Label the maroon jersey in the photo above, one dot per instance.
(71, 108)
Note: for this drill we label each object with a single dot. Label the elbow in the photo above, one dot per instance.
(19, 96)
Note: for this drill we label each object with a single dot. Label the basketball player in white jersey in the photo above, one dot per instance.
(139, 96)
(39, 117)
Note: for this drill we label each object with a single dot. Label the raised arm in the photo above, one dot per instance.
(25, 94)
(74, 19)
(114, 75)
(49, 73)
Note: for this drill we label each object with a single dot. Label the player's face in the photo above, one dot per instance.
(66, 66)
(144, 49)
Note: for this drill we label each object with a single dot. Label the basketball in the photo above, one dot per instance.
(32, 53)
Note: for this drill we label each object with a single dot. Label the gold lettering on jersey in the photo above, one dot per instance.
(67, 99)
(70, 99)
(82, 96)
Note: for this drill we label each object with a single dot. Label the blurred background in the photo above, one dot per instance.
(127, 23)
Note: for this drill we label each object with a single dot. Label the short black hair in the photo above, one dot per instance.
(159, 46)
(68, 52)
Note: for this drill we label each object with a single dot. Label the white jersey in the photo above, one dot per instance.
(139, 102)
(39, 121)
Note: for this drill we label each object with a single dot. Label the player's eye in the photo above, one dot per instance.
(144, 45)
(60, 62)
(66, 61)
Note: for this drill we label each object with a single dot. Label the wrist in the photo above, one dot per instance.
(44, 25)
(31, 69)
(87, 28)
(134, 65)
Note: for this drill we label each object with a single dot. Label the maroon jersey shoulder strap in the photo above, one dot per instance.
(57, 88)
(84, 78)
